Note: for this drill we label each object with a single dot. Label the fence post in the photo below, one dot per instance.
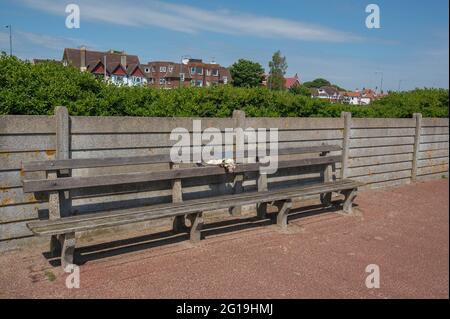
(418, 118)
(59, 204)
(347, 117)
(239, 122)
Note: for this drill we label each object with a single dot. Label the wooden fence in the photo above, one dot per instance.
(380, 152)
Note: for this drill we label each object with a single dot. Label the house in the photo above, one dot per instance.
(364, 97)
(291, 82)
(329, 93)
(352, 98)
(188, 72)
(115, 66)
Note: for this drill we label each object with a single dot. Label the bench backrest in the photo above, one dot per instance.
(162, 181)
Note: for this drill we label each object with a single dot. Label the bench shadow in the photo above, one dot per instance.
(86, 254)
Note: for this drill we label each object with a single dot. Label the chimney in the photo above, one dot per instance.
(83, 58)
(123, 61)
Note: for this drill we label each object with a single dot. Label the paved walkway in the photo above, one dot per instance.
(405, 231)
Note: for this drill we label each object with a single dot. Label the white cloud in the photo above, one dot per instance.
(28, 44)
(188, 19)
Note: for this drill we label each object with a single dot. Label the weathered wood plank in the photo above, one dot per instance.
(72, 224)
(290, 123)
(149, 159)
(94, 181)
(432, 169)
(377, 169)
(128, 124)
(434, 130)
(14, 230)
(26, 143)
(308, 135)
(13, 161)
(390, 183)
(382, 123)
(383, 150)
(430, 177)
(434, 138)
(427, 121)
(11, 179)
(14, 196)
(23, 212)
(433, 154)
(27, 124)
(432, 162)
(212, 201)
(381, 141)
(380, 159)
(382, 177)
(433, 146)
(382, 132)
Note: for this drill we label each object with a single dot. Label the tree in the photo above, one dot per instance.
(246, 73)
(300, 90)
(317, 83)
(278, 67)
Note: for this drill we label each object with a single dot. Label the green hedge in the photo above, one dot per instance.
(36, 89)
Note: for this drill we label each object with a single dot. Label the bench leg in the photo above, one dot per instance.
(325, 199)
(196, 226)
(261, 210)
(55, 246)
(68, 248)
(179, 224)
(350, 196)
(284, 208)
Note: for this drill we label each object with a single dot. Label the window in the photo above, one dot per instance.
(147, 70)
(162, 81)
(208, 72)
(193, 69)
(170, 68)
(150, 80)
(215, 72)
(198, 83)
(153, 69)
(182, 77)
(199, 70)
(225, 80)
(162, 69)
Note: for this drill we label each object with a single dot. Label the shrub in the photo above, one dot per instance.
(26, 88)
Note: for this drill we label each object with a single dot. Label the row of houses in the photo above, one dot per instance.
(121, 68)
(334, 95)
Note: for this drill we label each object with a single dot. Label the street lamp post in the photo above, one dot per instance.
(10, 38)
(381, 86)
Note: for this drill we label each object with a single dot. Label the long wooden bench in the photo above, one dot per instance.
(63, 224)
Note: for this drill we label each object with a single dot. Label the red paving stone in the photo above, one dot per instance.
(404, 230)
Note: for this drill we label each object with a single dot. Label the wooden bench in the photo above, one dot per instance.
(63, 224)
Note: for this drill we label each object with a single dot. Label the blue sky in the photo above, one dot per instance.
(319, 38)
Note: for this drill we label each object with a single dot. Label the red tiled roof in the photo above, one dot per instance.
(352, 94)
(292, 81)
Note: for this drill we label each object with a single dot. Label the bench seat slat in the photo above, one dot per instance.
(50, 165)
(117, 218)
(69, 183)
